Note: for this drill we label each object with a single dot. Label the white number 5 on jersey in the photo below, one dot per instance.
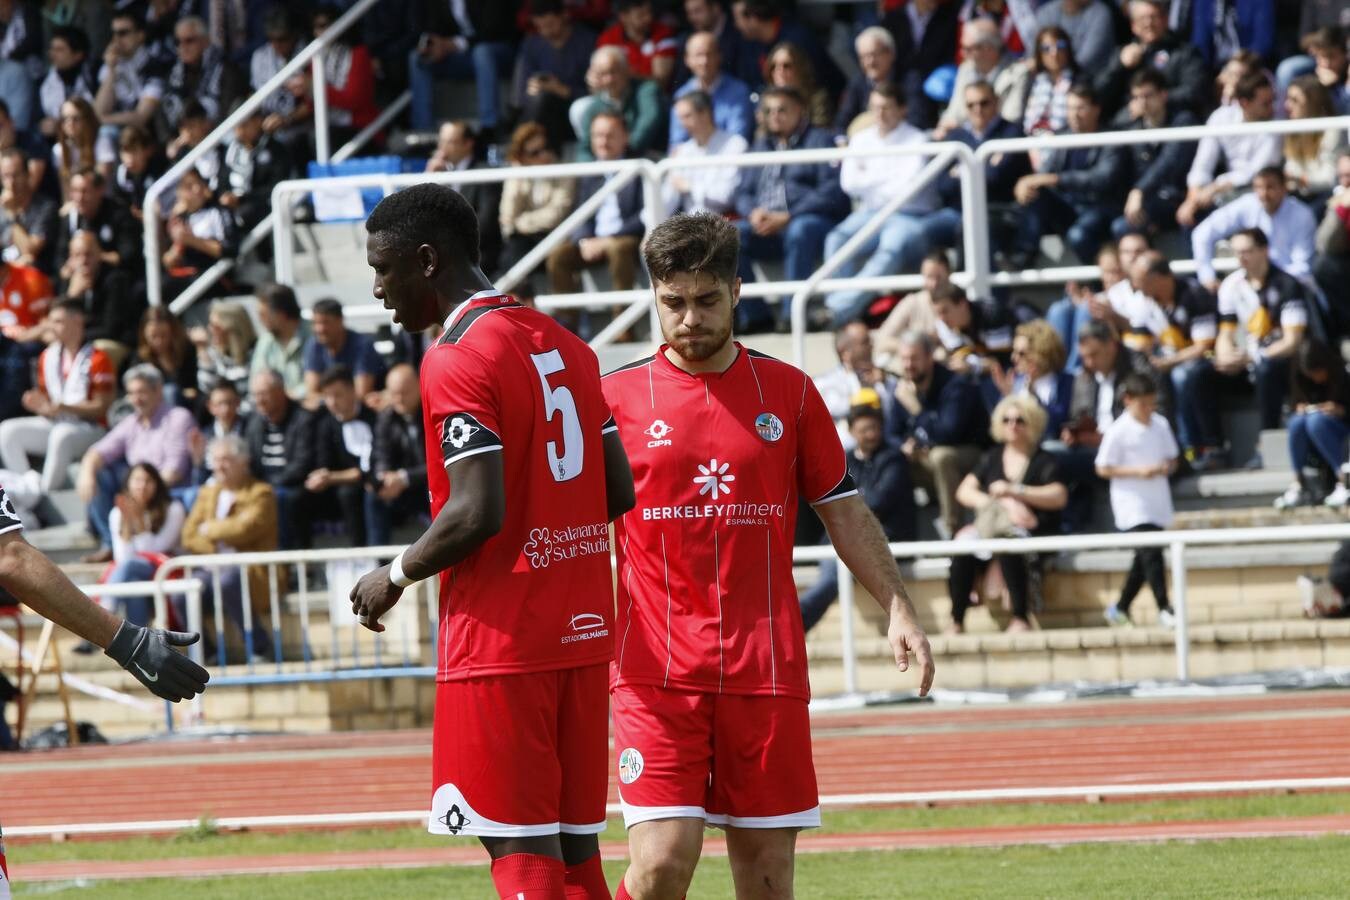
(567, 464)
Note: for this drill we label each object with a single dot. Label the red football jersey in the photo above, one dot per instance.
(706, 600)
(539, 594)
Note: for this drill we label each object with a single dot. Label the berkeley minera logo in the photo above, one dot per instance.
(454, 820)
(539, 548)
(657, 431)
(714, 479)
(458, 432)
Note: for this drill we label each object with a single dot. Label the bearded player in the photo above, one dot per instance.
(146, 653)
(531, 473)
(710, 683)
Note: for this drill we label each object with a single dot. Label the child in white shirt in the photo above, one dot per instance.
(1137, 454)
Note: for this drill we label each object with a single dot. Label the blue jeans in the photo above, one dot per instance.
(482, 64)
(258, 641)
(821, 595)
(1085, 228)
(1317, 431)
(138, 610)
(898, 246)
(799, 246)
(1067, 317)
(109, 483)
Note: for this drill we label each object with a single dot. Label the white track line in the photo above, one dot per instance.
(827, 801)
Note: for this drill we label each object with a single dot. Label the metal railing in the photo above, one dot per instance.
(353, 652)
(1175, 542)
(971, 165)
(371, 656)
(311, 55)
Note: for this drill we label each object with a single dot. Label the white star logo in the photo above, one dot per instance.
(714, 479)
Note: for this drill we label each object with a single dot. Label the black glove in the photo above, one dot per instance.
(148, 654)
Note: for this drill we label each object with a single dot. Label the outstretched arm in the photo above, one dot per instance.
(146, 653)
(861, 544)
(473, 515)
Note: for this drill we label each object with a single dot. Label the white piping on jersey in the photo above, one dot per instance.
(773, 657)
(666, 566)
(651, 386)
(467, 453)
(751, 359)
(707, 398)
(803, 406)
(717, 562)
(627, 586)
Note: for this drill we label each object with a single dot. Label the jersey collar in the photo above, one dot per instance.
(664, 361)
(482, 298)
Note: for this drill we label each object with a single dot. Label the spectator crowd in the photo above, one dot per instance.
(1004, 416)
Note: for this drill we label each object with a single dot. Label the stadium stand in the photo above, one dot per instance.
(95, 110)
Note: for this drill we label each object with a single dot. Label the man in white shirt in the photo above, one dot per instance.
(702, 189)
(900, 245)
(1263, 315)
(1242, 155)
(857, 370)
(1286, 221)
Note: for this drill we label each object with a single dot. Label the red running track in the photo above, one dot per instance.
(908, 748)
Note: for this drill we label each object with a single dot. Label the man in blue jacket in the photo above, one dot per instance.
(1077, 193)
(786, 210)
(940, 425)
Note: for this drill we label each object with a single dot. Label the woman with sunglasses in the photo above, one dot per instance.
(1015, 491)
(1038, 358)
(531, 207)
(1053, 72)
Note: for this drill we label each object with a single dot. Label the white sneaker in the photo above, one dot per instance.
(1293, 496)
(1339, 497)
(1166, 619)
(1117, 619)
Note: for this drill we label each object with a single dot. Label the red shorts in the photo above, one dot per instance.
(743, 761)
(4, 875)
(521, 755)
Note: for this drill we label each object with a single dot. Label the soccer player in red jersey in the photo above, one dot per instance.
(710, 681)
(146, 653)
(532, 474)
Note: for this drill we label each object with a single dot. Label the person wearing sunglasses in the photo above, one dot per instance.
(1015, 491)
(531, 207)
(1053, 72)
(986, 59)
(129, 82)
(1090, 28)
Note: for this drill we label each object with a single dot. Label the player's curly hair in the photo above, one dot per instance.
(701, 242)
(428, 213)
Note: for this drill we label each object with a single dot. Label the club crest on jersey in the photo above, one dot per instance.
(714, 479)
(769, 426)
(460, 430)
(630, 765)
(657, 431)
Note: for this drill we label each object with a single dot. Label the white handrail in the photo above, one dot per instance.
(850, 247)
(154, 287)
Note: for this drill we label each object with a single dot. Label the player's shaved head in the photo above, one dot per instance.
(433, 214)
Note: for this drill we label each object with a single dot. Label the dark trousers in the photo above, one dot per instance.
(108, 484)
(383, 515)
(1085, 228)
(232, 596)
(1078, 470)
(800, 245)
(294, 519)
(1147, 566)
(966, 569)
(821, 595)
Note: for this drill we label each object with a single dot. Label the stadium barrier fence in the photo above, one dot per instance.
(372, 657)
(976, 275)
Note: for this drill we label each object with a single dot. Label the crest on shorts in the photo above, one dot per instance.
(768, 426)
(630, 765)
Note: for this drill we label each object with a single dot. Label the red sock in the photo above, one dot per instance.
(622, 893)
(586, 881)
(528, 876)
